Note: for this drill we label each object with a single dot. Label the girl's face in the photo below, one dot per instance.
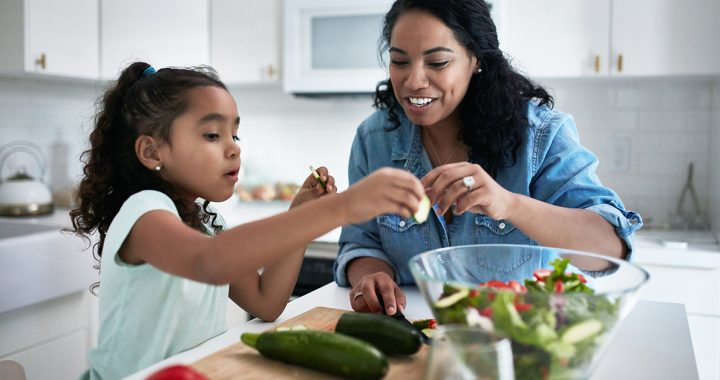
(429, 69)
(203, 158)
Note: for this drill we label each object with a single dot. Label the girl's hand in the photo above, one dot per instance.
(312, 189)
(364, 296)
(445, 186)
(385, 191)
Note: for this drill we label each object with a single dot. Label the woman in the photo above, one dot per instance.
(498, 163)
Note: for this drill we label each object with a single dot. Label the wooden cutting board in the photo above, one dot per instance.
(239, 361)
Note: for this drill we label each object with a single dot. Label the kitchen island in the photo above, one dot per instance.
(652, 343)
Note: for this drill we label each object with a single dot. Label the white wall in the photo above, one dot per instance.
(645, 133)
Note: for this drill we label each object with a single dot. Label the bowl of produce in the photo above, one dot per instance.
(558, 307)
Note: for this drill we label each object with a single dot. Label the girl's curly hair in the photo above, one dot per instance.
(138, 103)
(494, 109)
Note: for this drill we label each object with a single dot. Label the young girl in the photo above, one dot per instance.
(161, 141)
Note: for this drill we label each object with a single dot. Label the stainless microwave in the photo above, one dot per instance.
(331, 46)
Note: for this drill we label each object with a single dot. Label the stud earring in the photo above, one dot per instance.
(479, 70)
(158, 168)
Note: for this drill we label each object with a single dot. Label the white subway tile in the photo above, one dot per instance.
(660, 120)
(614, 120)
(691, 95)
(634, 98)
(698, 120)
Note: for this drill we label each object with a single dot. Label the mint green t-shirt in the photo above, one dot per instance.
(147, 315)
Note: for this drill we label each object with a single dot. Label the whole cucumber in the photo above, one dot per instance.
(389, 335)
(324, 351)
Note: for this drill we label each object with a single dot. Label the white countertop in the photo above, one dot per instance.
(652, 343)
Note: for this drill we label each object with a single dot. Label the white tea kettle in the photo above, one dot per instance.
(20, 194)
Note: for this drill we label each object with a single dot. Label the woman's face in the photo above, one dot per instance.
(203, 158)
(429, 69)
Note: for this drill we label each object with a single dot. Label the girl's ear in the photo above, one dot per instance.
(146, 150)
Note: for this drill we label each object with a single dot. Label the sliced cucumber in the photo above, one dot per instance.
(423, 210)
(317, 176)
(451, 299)
(581, 331)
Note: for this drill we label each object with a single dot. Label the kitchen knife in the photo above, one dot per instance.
(401, 317)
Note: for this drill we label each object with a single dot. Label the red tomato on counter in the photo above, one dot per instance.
(177, 372)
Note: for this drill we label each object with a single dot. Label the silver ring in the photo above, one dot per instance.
(356, 295)
(468, 181)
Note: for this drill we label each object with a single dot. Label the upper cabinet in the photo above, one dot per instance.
(665, 37)
(160, 32)
(575, 38)
(49, 37)
(245, 40)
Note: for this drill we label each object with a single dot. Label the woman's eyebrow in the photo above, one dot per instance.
(426, 52)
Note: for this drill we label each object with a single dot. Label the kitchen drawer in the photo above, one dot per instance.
(705, 335)
(697, 288)
(61, 358)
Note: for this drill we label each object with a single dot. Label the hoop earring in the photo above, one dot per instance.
(158, 168)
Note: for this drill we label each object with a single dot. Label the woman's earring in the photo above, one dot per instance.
(479, 70)
(158, 168)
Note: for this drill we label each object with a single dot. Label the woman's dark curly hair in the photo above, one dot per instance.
(494, 109)
(138, 103)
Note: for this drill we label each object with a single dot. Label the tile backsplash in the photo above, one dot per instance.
(645, 132)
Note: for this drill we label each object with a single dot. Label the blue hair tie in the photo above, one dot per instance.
(149, 71)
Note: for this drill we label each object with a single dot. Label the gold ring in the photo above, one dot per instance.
(356, 295)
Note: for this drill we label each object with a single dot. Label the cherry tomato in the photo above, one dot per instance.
(541, 274)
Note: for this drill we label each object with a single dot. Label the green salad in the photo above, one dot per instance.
(555, 321)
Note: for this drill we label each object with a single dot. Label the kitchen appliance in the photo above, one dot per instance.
(21, 194)
(331, 46)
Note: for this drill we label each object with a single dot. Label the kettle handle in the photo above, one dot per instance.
(23, 146)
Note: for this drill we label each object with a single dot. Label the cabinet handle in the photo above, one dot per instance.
(597, 63)
(271, 71)
(41, 61)
(619, 63)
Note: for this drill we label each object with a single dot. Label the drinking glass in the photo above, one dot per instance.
(461, 352)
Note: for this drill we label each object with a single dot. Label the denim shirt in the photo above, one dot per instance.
(551, 167)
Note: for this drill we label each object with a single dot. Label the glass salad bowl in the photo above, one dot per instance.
(558, 307)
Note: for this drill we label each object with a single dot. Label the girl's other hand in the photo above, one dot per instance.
(364, 296)
(385, 191)
(446, 186)
(312, 189)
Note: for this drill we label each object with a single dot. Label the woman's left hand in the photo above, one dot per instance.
(448, 184)
(312, 189)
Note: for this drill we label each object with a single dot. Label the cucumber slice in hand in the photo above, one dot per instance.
(423, 210)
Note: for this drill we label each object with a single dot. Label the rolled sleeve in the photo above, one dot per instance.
(625, 222)
(351, 251)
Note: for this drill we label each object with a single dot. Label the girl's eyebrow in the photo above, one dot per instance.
(426, 52)
(217, 117)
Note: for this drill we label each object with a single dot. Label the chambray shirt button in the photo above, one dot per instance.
(402, 223)
(502, 226)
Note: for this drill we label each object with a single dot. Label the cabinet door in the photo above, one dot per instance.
(62, 358)
(557, 38)
(65, 33)
(161, 32)
(666, 37)
(245, 39)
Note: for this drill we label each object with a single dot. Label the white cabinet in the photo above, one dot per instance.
(557, 38)
(49, 37)
(162, 33)
(666, 37)
(245, 40)
(692, 278)
(50, 340)
(575, 38)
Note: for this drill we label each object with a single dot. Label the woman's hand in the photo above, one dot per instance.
(385, 191)
(367, 294)
(312, 189)
(446, 185)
